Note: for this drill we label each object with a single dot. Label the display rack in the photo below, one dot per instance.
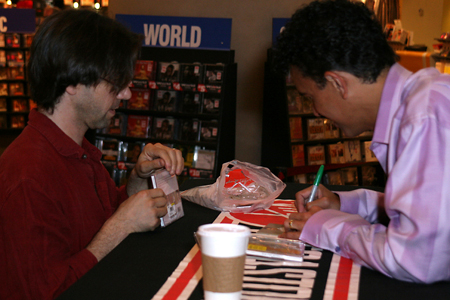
(295, 142)
(203, 155)
(15, 102)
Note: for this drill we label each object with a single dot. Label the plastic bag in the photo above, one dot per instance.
(241, 187)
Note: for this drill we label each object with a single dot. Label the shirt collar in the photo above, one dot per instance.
(390, 101)
(62, 142)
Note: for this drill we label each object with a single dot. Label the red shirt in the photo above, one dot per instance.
(54, 197)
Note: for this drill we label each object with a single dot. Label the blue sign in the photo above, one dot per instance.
(180, 32)
(277, 26)
(17, 20)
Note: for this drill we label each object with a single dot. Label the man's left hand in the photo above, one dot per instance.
(153, 157)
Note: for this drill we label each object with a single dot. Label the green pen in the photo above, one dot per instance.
(316, 184)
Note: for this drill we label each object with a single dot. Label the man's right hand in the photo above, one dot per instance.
(142, 211)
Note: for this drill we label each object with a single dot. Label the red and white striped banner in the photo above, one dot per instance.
(343, 276)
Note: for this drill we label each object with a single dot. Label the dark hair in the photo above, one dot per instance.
(333, 35)
(79, 47)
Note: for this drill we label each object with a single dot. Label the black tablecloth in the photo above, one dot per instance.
(140, 265)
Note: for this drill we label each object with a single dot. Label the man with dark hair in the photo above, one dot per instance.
(60, 212)
(337, 55)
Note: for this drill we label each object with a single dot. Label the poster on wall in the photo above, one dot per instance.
(180, 32)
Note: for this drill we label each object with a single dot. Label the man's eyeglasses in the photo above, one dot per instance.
(116, 87)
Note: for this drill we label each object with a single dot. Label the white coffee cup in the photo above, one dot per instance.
(223, 249)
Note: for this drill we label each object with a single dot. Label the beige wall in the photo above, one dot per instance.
(251, 37)
(427, 27)
(446, 16)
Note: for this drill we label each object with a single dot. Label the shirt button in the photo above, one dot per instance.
(84, 156)
(337, 249)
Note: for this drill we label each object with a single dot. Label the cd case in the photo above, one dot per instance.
(266, 243)
(168, 183)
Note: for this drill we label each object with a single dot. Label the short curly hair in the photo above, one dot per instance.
(334, 35)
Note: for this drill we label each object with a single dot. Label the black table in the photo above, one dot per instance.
(140, 265)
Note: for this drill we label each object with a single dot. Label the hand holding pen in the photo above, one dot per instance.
(307, 205)
(315, 185)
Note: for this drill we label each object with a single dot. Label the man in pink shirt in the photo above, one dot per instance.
(60, 212)
(338, 56)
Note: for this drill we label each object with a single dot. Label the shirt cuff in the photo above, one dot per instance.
(349, 201)
(328, 229)
(82, 262)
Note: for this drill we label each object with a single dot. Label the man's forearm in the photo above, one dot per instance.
(110, 235)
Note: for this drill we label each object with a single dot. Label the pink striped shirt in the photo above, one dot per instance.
(412, 142)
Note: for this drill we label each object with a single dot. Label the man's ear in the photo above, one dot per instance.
(71, 90)
(338, 82)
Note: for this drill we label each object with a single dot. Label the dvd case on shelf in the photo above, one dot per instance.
(16, 89)
(296, 128)
(15, 73)
(168, 73)
(190, 130)
(330, 131)
(110, 149)
(350, 176)
(166, 100)
(307, 105)
(298, 155)
(20, 105)
(27, 39)
(214, 74)
(295, 105)
(3, 104)
(213, 78)
(199, 173)
(164, 128)
(138, 126)
(118, 124)
(316, 129)
(145, 70)
(3, 89)
(3, 73)
(352, 151)
(209, 130)
(140, 99)
(211, 103)
(316, 155)
(190, 76)
(131, 151)
(3, 122)
(334, 178)
(2, 58)
(204, 158)
(336, 153)
(14, 58)
(191, 102)
(368, 154)
(12, 40)
(18, 121)
(369, 175)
